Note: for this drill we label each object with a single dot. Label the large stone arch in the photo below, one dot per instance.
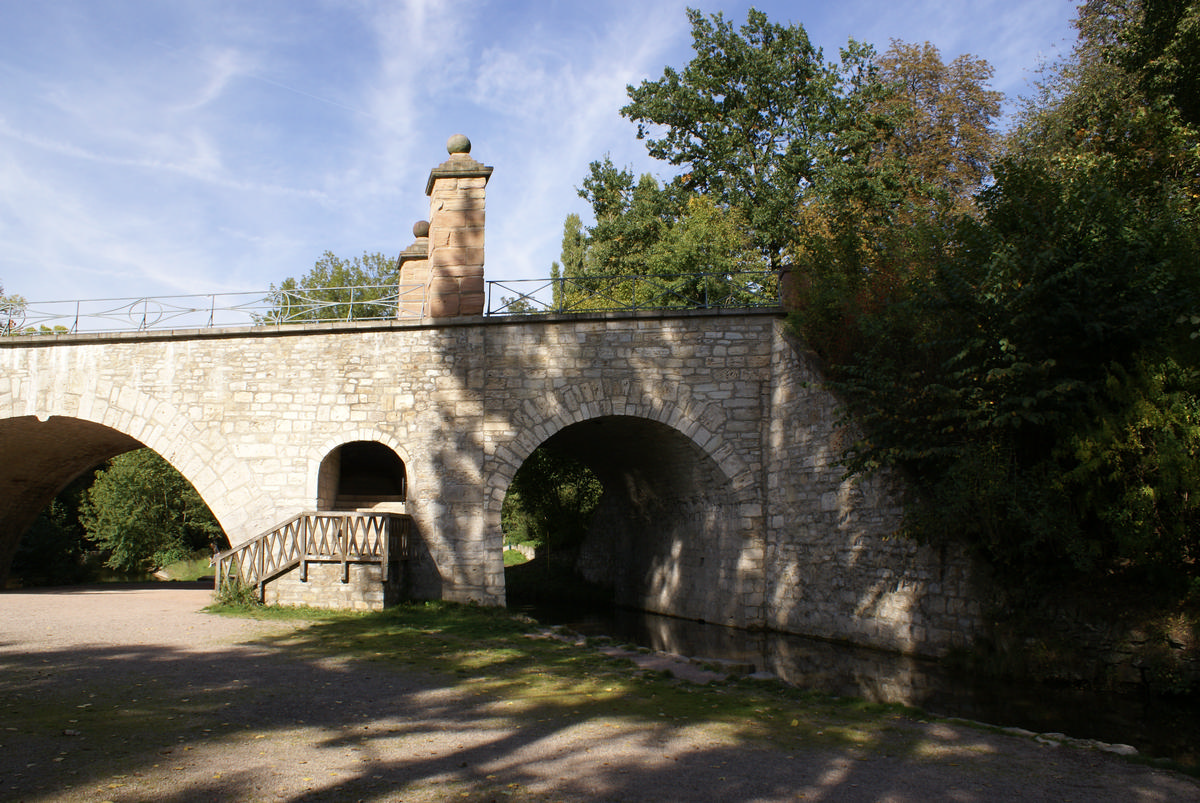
(708, 534)
(225, 483)
(536, 420)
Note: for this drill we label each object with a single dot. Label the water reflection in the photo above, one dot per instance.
(1156, 726)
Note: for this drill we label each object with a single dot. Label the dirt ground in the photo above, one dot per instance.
(134, 694)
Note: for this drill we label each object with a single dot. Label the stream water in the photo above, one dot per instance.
(1163, 727)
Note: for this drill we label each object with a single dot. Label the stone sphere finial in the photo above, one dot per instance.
(458, 144)
(421, 228)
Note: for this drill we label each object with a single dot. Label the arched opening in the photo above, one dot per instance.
(362, 475)
(145, 516)
(662, 537)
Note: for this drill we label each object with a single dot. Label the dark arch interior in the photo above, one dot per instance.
(361, 474)
(38, 459)
(663, 463)
(660, 538)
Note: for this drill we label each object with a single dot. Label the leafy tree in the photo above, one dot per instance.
(631, 216)
(361, 288)
(1130, 465)
(145, 514)
(753, 119)
(52, 551)
(654, 247)
(574, 246)
(943, 122)
(12, 312)
(706, 257)
(979, 382)
(1092, 110)
(1036, 386)
(550, 501)
(518, 305)
(877, 224)
(574, 254)
(1162, 49)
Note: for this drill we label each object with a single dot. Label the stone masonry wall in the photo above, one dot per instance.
(706, 413)
(697, 384)
(363, 591)
(838, 569)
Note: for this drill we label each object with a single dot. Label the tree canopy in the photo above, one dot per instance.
(1161, 46)
(653, 246)
(145, 514)
(1037, 384)
(752, 119)
(361, 288)
(845, 176)
(550, 501)
(943, 122)
(11, 312)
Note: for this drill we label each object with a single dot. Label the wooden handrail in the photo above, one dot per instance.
(342, 537)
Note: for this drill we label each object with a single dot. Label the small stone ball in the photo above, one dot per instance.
(458, 144)
(421, 228)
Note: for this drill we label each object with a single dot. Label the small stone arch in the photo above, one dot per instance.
(361, 470)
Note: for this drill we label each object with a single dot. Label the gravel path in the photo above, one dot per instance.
(133, 694)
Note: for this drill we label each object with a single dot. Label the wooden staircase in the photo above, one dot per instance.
(311, 537)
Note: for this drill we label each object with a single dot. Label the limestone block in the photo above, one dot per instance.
(443, 305)
(451, 257)
(471, 303)
(472, 218)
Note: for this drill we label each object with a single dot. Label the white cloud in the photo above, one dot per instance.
(224, 65)
(206, 145)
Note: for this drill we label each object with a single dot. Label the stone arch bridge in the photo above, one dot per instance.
(712, 433)
(711, 430)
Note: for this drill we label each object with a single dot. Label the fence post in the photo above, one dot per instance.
(385, 549)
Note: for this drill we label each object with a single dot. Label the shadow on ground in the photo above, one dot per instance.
(329, 713)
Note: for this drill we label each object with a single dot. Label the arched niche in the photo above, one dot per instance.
(362, 475)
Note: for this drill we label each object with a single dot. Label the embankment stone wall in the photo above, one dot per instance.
(837, 568)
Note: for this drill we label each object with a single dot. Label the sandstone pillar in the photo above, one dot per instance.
(413, 264)
(456, 190)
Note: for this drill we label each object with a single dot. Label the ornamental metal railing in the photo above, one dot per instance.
(582, 294)
(204, 311)
(345, 538)
(283, 307)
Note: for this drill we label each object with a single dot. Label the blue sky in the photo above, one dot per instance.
(198, 146)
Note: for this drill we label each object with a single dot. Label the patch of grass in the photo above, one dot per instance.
(196, 567)
(276, 613)
(514, 558)
(493, 654)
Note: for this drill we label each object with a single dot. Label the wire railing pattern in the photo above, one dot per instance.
(205, 311)
(580, 294)
(282, 307)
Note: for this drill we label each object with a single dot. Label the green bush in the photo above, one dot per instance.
(236, 593)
